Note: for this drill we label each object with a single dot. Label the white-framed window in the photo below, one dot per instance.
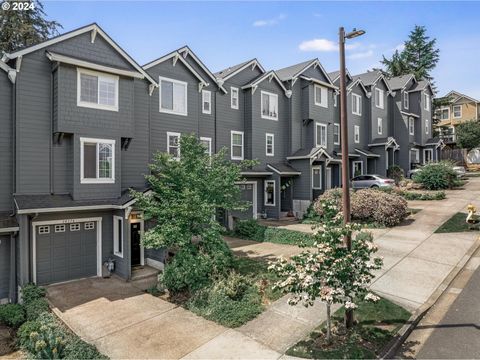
(234, 98)
(427, 126)
(357, 168)
(206, 101)
(317, 177)
(60, 228)
(269, 144)
(335, 99)
(379, 98)
(236, 138)
(426, 98)
(90, 225)
(427, 155)
(45, 229)
(173, 96)
(356, 133)
(97, 90)
(269, 108)
(173, 144)
(207, 143)
(97, 161)
(380, 126)
(356, 104)
(415, 156)
(411, 126)
(118, 236)
(320, 135)
(336, 134)
(457, 111)
(269, 192)
(444, 113)
(75, 227)
(406, 100)
(321, 95)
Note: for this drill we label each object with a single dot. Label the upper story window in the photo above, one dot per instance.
(457, 111)
(426, 98)
(173, 144)
(207, 143)
(380, 126)
(269, 106)
(97, 161)
(321, 96)
(269, 144)
(317, 177)
(444, 113)
(236, 145)
(379, 98)
(336, 134)
(356, 104)
(173, 96)
(269, 193)
(356, 134)
(406, 100)
(97, 90)
(427, 126)
(411, 126)
(320, 135)
(335, 99)
(234, 98)
(206, 101)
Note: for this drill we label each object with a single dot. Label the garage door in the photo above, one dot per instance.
(66, 252)
(4, 266)
(247, 193)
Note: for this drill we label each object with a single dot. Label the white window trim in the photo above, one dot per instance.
(169, 133)
(209, 140)
(232, 89)
(97, 180)
(426, 106)
(356, 131)
(380, 94)
(87, 104)
(336, 126)
(427, 126)
(265, 192)
(266, 93)
(417, 155)
(204, 93)
(316, 88)
(379, 126)
(424, 152)
(321, 177)
(317, 125)
(441, 112)
(267, 135)
(168, 111)
(453, 111)
(354, 111)
(353, 167)
(232, 132)
(116, 252)
(335, 99)
(406, 104)
(411, 129)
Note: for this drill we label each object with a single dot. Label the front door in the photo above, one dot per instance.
(135, 241)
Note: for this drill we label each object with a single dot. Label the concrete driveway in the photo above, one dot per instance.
(125, 322)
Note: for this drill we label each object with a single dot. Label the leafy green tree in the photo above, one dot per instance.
(185, 195)
(468, 134)
(25, 27)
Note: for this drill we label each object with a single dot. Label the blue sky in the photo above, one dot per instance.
(280, 34)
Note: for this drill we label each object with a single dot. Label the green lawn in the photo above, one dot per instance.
(376, 325)
(455, 224)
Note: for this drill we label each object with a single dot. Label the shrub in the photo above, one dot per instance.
(31, 292)
(436, 176)
(12, 315)
(311, 216)
(230, 301)
(410, 195)
(331, 195)
(250, 229)
(285, 236)
(75, 348)
(24, 331)
(395, 172)
(34, 308)
(43, 338)
(391, 210)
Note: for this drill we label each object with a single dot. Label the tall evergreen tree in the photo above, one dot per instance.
(20, 28)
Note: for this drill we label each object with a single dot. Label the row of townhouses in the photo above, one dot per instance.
(81, 119)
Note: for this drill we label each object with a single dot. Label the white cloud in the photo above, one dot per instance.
(318, 45)
(269, 22)
(361, 55)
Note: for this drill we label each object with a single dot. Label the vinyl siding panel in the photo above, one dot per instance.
(6, 143)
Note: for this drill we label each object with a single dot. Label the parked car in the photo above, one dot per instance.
(460, 170)
(371, 181)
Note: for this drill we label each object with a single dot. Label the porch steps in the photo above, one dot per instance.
(144, 277)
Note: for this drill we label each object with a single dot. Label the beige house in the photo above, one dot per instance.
(462, 108)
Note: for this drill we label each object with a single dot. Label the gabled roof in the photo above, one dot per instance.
(309, 154)
(399, 82)
(358, 82)
(96, 30)
(371, 78)
(420, 86)
(294, 71)
(283, 169)
(233, 70)
(270, 76)
(335, 75)
(459, 96)
(11, 73)
(366, 153)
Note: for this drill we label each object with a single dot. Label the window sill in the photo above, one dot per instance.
(97, 181)
(120, 255)
(269, 204)
(97, 106)
(321, 105)
(234, 108)
(358, 114)
(380, 107)
(236, 158)
(270, 155)
(166, 111)
(269, 118)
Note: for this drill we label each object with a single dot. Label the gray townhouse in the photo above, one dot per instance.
(81, 121)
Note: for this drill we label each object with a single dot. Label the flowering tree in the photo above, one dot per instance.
(330, 272)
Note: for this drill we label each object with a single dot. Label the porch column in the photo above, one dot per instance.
(12, 292)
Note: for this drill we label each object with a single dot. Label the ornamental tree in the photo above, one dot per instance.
(330, 272)
(468, 134)
(185, 195)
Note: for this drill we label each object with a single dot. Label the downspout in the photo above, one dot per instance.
(51, 135)
(215, 123)
(13, 269)
(14, 142)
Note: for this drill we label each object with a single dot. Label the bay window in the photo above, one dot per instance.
(97, 90)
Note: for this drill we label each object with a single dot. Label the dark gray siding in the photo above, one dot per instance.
(4, 266)
(6, 143)
(302, 185)
(379, 113)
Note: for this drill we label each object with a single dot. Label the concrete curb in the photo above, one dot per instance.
(391, 348)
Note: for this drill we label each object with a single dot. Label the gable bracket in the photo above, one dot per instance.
(288, 93)
(254, 65)
(270, 77)
(175, 59)
(254, 88)
(200, 86)
(12, 75)
(18, 63)
(185, 53)
(93, 35)
(151, 87)
(294, 81)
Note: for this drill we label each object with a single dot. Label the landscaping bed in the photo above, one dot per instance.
(377, 324)
(456, 223)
